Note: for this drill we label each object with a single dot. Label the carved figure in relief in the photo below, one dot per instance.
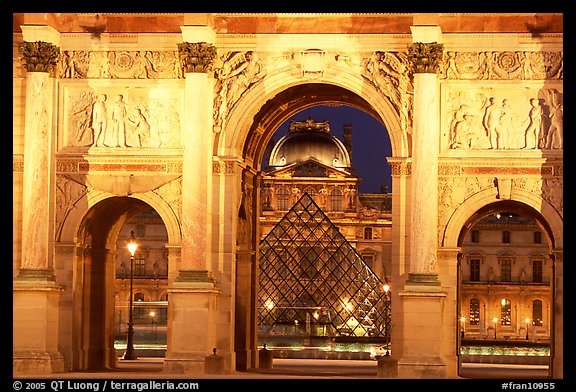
(490, 121)
(534, 126)
(505, 126)
(465, 136)
(384, 76)
(99, 120)
(239, 72)
(118, 117)
(556, 130)
(141, 127)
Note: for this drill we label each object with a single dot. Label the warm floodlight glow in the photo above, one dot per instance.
(269, 304)
(132, 245)
(386, 287)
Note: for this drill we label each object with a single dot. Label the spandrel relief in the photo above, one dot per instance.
(503, 119)
(237, 73)
(121, 118)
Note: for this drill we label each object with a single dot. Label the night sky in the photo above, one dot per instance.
(370, 142)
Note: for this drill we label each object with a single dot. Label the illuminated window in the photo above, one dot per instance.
(139, 264)
(474, 311)
(505, 312)
(537, 313)
(283, 199)
(336, 200)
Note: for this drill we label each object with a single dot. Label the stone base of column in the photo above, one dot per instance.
(35, 323)
(423, 302)
(191, 323)
(33, 362)
(422, 279)
(422, 367)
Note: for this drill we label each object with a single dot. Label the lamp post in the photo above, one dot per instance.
(152, 314)
(386, 288)
(130, 353)
(495, 320)
(527, 323)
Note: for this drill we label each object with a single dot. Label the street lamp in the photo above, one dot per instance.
(152, 314)
(527, 323)
(130, 353)
(495, 319)
(386, 288)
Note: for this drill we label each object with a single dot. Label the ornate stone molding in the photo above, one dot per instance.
(503, 65)
(425, 57)
(103, 64)
(39, 56)
(196, 56)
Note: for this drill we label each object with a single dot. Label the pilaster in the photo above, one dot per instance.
(423, 299)
(36, 294)
(192, 308)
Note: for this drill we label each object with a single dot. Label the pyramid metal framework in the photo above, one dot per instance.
(310, 274)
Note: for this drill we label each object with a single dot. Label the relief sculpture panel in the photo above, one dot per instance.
(501, 118)
(120, 117)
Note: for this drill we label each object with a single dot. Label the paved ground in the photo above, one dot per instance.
(151, 368)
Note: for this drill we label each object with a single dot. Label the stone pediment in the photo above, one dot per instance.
(309, 168)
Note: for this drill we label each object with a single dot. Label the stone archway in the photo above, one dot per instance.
(549, 222)
(250, 126)
(93, 299)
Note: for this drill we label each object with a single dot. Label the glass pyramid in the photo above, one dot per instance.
(313, 279)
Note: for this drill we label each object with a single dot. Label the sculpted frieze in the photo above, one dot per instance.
(506, 65)
(502, 118)
(122, 117)
(141, 64)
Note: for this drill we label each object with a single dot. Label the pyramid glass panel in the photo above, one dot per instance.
(313, 282)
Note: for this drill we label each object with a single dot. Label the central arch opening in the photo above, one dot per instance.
(364, 216)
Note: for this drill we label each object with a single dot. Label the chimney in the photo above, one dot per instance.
(348, 139)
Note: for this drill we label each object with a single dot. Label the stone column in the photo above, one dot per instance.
(425, 59)
(35, 291)
(192, 294)
(423, 300)
(557, 352)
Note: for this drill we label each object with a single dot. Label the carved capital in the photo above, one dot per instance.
(196, 56)
(425, 57)
(39, 56)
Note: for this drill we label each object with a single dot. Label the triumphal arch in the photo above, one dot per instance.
(117, 112)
